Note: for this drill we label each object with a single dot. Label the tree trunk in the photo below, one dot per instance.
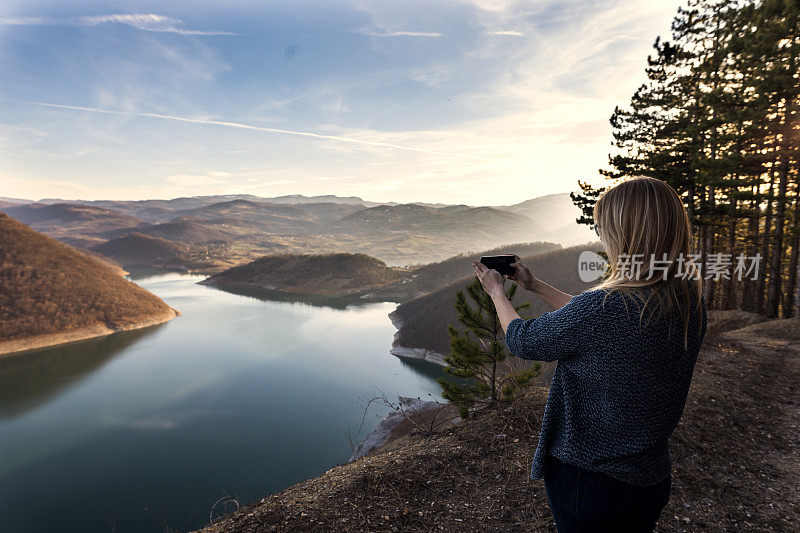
(709, 285)
(762, 282)
(776, 267)
(791, 282)
(494, 381)
(729, 300)
(753, 226)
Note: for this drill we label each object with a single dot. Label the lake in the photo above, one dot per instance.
(237, 397)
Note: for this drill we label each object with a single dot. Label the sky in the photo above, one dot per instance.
(480, 102)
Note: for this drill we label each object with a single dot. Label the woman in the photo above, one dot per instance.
(626, 352)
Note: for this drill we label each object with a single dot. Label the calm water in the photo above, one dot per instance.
(239, 397)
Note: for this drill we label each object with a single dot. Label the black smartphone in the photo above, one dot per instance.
(501, 263)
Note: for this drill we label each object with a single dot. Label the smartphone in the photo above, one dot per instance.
(501, 263)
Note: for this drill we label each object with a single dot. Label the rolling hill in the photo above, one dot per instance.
(157, 211)
(459, 220)
(554, 216)
(433, 276)
(413, 233)
(141, 248)
(72, 220)
(248, 216)
(51, 293)
(329, 274)
(14, 201)
(251, 226)
(180, 230)
(325, 198)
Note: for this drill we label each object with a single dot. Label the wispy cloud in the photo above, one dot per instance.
(170, 186)
(140, 21)
(400, 33)
(239, 125)
(197, 180)
(165, 421)
(511, 97)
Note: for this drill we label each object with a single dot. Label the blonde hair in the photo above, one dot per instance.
(640, 219)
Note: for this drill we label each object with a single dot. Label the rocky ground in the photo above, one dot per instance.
(735, 452)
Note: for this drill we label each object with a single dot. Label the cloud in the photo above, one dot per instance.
(166, 421)
(24, 21)
(400, 34)
(171, 186)
(153, 423)
(196, 180)
(495, 6)
(507, 99)
(239, 125)
(140, 21)
(36, 188)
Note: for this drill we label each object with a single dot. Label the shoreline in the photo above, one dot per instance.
(405, 352)
(396, 426)
(14, 347)
(382, 434)
(359, 294)
(338, 301)
(379, 436)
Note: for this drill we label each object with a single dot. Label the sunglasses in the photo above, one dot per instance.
(596, 228)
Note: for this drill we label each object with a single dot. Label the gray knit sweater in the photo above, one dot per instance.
(619, 387)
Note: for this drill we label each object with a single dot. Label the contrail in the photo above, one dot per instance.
(237, 125)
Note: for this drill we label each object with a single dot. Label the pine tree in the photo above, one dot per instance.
(585, 201)
(718, 120)
(484, 380)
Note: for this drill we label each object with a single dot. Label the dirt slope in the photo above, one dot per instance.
(735, 463)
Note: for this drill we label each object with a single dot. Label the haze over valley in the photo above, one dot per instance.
(211, 233)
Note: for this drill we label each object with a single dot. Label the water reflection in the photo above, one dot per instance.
(141, 272)
(424, 369)
(239, 395)
(315, 300)
(30, 379)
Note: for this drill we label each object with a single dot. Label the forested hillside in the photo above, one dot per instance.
(341, 273)
(48, 287)
(425, 319)
(433, 276)
(136, 247)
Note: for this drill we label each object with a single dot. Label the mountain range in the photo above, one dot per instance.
(234, 229)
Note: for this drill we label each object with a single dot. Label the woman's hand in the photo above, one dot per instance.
(490, 279)
(522, 274)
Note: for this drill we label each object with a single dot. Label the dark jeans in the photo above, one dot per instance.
(582, 500)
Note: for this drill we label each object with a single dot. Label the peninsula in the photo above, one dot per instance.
(50, 293)
(322, 274)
